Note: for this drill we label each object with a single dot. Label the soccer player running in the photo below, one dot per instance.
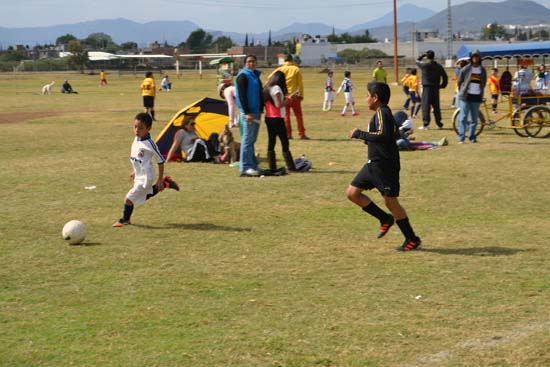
(382, 168)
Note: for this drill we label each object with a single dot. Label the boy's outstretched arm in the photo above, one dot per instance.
(160, 178)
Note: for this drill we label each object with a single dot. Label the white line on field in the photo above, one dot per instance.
(501, 339)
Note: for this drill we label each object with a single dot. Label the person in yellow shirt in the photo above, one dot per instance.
(494, 87)
(406, 88)
(414, 93)
(102, 78)
(148, 93)
(379, 73)
(295, 85)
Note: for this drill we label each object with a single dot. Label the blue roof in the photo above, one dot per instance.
(506, 50)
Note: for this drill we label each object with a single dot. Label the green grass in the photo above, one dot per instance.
(275, 271)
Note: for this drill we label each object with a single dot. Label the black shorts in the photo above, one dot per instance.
(148, 101)
(384, 176)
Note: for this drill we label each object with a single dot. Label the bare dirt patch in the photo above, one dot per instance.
(20, 117)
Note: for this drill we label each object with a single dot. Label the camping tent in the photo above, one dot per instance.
(210, 116)
(506, 50)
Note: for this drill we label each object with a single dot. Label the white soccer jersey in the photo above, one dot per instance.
(142, 154)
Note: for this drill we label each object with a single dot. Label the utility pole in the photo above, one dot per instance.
(395, 66)
(449, 35)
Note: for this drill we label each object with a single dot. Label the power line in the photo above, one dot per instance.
(254, 5)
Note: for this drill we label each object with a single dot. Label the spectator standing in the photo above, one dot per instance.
(494, 87)
(471, 83)
(250, 102)
(379, 74)
(295, 86)
(434, 78)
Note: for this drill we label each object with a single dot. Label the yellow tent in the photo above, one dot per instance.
(210, 116)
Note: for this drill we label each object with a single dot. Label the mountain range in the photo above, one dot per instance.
(467, 17)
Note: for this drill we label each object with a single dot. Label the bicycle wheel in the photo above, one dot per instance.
(480, 124)
(537, 121)
(517, 122)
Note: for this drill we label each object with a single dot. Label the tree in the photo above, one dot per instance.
(269, 38)
(79, 56)
(199, 41)
(64, 40)
(350, 56)
(223, 43)
(129, 46)
(493, 31)
(246, 40)
(99, 40)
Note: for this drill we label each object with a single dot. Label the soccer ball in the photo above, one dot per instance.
(74, 232)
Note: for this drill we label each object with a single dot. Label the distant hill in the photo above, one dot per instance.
(472, 16)
(467, 17)
(405, 13)
(121, 30)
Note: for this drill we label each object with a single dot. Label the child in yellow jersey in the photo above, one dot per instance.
(414, 93)
(148, 94)
(406, 88)
(494, 87)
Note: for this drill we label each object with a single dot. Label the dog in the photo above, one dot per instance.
(231, 148)
(47, 89)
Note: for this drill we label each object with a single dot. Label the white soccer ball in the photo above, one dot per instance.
(74, 232)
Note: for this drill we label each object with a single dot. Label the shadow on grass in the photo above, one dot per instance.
(86, 244)
(477, 251)
(196, 227)
(315, 171)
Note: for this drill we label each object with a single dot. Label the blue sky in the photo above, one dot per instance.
(226, 15)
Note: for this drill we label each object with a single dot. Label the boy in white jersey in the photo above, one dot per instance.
(143, 152)
(329, 89)
(347, 88)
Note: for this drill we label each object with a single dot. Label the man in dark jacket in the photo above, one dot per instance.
(434, 78)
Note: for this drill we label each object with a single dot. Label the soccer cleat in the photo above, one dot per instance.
(171, 184)
(385, 227)
(355, 114)
(304, 137)
(121, 223)
(443, 142)
(410, 245)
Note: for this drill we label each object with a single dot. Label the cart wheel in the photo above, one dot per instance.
(480, 124)
(537, 121)
(517, 122)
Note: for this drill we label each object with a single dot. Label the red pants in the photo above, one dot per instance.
(296, 105)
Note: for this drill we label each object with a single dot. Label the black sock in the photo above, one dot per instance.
(153, 114)
(155, 191)
(376, 212)
(406, 228)
(128, 209)
(494, 106)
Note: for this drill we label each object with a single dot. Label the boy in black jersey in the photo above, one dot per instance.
(382, 169)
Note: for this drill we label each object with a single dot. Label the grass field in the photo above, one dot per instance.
(274, 271)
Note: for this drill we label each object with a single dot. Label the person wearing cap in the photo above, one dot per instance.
(434, 78)
(471, 83)
(229, 94)
(195, 148)
(329, 92)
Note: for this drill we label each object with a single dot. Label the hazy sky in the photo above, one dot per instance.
(226, 15)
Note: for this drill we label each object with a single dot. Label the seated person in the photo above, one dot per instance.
(195, 149)
(67, 88)
(405, 125)
(522, 81)
(165, 84)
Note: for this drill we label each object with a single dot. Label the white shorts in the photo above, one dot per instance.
(329, 96)
(349, 97)
(138, 193)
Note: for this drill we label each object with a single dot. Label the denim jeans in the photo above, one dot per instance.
(249, 136)
(468, 109)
